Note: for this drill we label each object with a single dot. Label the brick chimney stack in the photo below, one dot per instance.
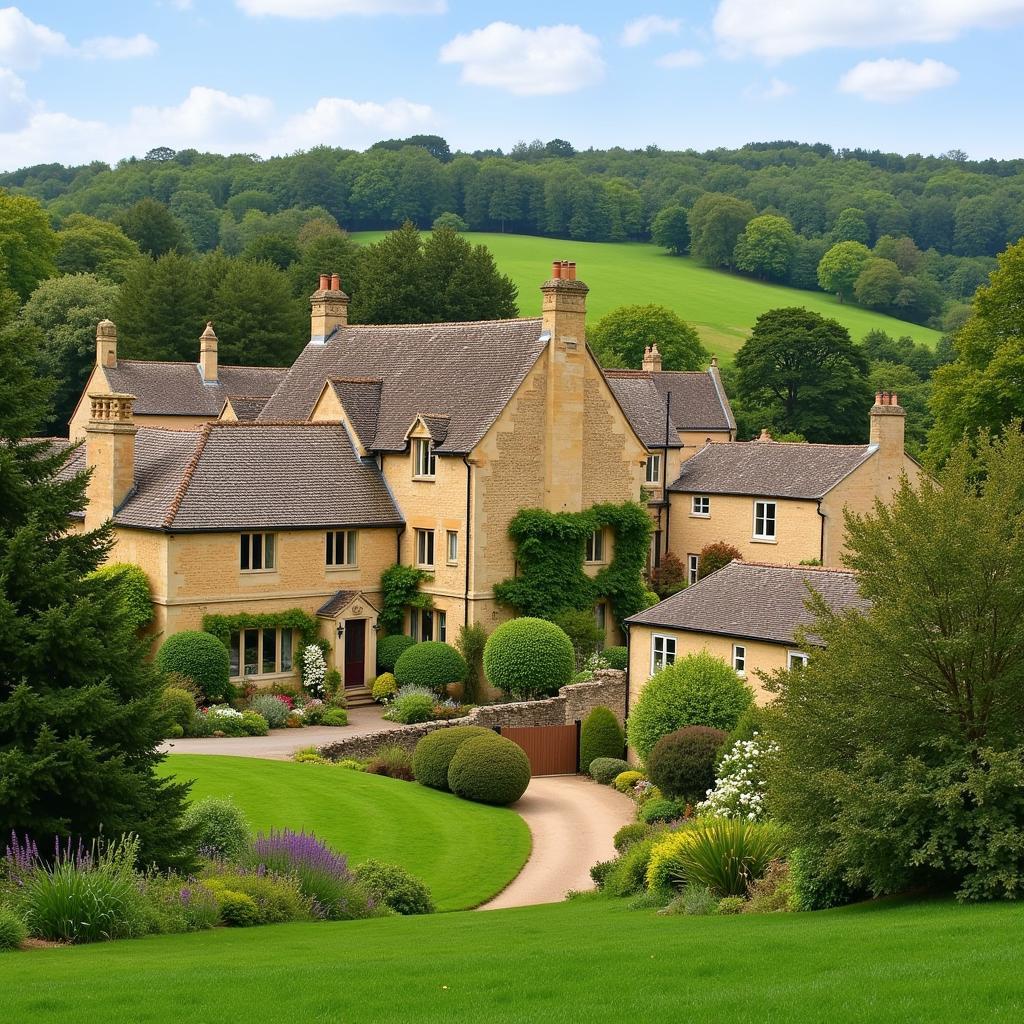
(109, 454)
(106, 343)
(563, 318)
(888, 423)
(329, 308)
(652, 358)
(208, 354)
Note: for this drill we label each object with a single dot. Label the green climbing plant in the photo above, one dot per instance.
(400, 589)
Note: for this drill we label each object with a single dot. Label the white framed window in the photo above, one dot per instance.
(663, 652)
(425, 549)
(795, 659)
(452, 546)
(258, 552)
(700, 505)
(342, 548)
(595, 547)
(654, 469)
(692, 569)
(425, 459)
(260, 652)
(764, 520)
(441, 621)
(739, 659)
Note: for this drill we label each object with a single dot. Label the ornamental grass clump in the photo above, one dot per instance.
(12, 929)
(323, 875)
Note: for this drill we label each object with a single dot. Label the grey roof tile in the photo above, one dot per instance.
(754, 600)
(360, 398)
(466, 371)
(247, 407)
(771, 468)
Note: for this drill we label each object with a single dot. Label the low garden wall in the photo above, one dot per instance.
(573, 703)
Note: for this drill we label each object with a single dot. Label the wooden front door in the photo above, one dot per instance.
(355, 652)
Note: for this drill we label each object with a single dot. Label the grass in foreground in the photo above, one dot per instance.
(721, 306)
(589, 961)
(464, 852)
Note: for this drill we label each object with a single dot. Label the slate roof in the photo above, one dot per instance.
(466, 371)
(360, 398)
(178, 389)
(754, 601)
(340, 601)
(698, 402)
(247, 407)
(771, 468)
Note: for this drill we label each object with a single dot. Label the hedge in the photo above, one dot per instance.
(600, 736)
(490, 770)
(431, 664)
(529, 657)
(433, 754)
(200, 657)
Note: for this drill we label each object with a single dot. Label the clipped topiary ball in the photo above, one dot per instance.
(699, 689)
(433, 755)
(384, 687)
(605, 770)
(529, 657)
(617, 657)
(600, 736)
(682, 764)
(489, 769)
(389, 650)
(431, 664)
(200, 657)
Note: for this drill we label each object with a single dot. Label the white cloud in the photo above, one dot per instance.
(643, 30)
(334, 8)
(118, 47)
(776, 89)
(342, 122)
(891, 81)
(205, 119)
(681, 59)
(15, 108)
(775, 31)
(527, 61)
(23, 43)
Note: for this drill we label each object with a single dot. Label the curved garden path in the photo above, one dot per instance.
(572, 820)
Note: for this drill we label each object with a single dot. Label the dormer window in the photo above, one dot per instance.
(425, 461)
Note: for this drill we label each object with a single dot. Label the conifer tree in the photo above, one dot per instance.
(79, 706)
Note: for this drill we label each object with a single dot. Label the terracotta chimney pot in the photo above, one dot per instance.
(556, 270)
(335, 282)
(325, 282)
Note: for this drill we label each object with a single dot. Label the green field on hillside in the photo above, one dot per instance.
(722, 306)
(465, 852)
(585, 962)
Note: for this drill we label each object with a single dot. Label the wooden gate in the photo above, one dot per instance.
(552, 749)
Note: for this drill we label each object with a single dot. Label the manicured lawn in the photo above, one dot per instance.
(722, 306)
(465, 852)
(591, 962)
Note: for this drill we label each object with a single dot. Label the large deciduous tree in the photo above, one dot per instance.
(88, 245)
(804, 375)
(716, 221)
(80, 716)
(841, 266)
(671, 229)
(153, 227)
(28, 245)
(901, 757)
(766, 248)
(620, 337)
(984, 386)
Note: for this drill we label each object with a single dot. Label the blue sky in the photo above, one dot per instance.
(99, 81)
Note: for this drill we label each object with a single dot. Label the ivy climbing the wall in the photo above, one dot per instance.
(400, 589)
(222, 626)
(550, 549)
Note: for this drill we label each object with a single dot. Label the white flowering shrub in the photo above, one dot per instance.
(314, 670)
(739, 791)
(223, 712)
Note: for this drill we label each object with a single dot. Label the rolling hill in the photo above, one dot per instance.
(722, 306)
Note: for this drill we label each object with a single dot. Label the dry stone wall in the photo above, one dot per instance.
(573, 703)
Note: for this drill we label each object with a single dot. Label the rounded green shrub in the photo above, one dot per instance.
(682, 764)
(254, 724)
(616, 657)
(431, 664)
(393, 887)
(390, 649)
(12, 929)
(529, 657)
(385, 686)
(334, 717)
(237, 910)
(630, 834)
(177, 707)
(202, 658)
(411, 708)
(489, 769)
(661, 809)
(273, 710)
(606, 769)
(219, 827)
(433, 755)
(625, 781)
(600, 736)
(175, 732)
(699, 689)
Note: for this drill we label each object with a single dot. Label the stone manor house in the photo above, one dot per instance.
(243, 490)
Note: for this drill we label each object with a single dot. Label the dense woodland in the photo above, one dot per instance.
(164, 243)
